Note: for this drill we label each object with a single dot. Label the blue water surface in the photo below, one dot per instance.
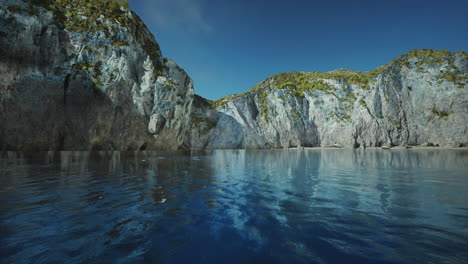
(235, 206)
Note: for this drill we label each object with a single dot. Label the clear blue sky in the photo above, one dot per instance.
(227, 46)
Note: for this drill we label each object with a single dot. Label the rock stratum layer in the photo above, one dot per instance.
(79, 76)
(419, 98)
(89, 75)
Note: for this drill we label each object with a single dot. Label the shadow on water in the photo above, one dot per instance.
(235, 206)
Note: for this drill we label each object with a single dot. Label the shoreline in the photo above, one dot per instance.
(390, 148)
(249, 149)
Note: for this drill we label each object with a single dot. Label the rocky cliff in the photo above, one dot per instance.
(419, 98)
(86, 75)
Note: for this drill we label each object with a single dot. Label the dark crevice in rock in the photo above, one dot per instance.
(143, 147)
(61, 143)
(356, 145)
(66, 84)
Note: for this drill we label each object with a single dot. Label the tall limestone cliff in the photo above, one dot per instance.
(86, 75)
(419, 98)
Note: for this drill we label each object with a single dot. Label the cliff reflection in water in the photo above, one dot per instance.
(234, 206)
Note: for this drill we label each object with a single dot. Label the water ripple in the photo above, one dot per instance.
(234, 206)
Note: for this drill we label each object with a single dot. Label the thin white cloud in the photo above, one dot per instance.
(184, 15)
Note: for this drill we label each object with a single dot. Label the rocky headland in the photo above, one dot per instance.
(420, 98)
(80, 76)
(86, 75)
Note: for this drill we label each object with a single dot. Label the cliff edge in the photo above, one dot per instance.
(419, 98)
(86, 75)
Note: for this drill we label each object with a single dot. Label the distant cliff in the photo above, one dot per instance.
(86, 75)
(419, 98)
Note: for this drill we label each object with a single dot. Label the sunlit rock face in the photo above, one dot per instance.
(419, 98)
(79, 76)
(86, 79)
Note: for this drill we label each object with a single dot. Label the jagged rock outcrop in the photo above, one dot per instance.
(419, 98)
(79, 76)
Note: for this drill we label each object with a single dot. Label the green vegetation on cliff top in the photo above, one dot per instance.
(297, 83)
(86, 15)
(91, 16)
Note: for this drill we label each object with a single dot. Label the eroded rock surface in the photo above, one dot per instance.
(419, 98)
(77, 76)
(86, 80)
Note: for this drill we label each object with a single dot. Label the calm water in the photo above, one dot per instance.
(281, 206)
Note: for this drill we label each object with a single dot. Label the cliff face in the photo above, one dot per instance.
(419, 98)
(88, 75)
(79, 76)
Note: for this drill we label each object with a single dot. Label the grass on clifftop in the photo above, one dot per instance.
(85, 15)
(90, 16)
(297, 83)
